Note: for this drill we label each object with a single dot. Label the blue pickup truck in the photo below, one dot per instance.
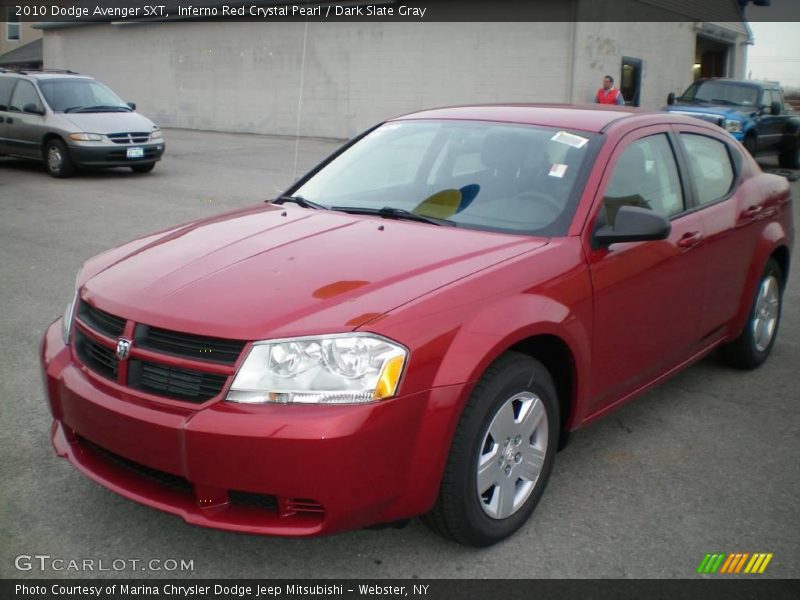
(754, 112)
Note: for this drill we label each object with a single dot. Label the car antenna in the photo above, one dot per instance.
(300, 101)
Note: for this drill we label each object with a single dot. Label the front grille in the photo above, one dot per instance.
(153, 376)
(262, 501)
(133, 137)
(169, 480)
(98, 358)
(100, 320)
(174, 382)
(186, 345)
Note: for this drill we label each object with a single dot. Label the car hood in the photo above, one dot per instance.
(109, 122)
(716, 110)
(276, 271)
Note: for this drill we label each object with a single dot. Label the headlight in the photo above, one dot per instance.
(66, 321)
(733, 126)
(86, 137)
(334, 369)
(156, 135)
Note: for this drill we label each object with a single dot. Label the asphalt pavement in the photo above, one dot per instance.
(707, 462)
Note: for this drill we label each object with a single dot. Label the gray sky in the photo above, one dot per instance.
(776, 53)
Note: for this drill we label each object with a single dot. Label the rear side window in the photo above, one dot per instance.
(709, 166)
(6, 85)
(646, 175)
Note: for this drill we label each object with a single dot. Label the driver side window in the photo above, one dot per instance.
(646, 176)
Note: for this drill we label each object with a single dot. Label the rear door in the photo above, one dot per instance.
(647, 295)
(730, 208)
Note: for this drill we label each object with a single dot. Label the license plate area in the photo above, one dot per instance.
(135, 152)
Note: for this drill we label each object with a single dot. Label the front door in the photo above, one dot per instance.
(647, 295)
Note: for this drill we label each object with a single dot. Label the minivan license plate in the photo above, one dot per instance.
(135, 152)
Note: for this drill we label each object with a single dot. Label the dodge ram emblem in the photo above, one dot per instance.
(123, 348)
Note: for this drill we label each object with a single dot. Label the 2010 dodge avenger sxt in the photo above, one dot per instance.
(417, 324)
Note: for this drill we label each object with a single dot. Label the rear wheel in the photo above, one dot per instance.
(754, 344)
(57, 160)
(501, 456)
(143, 168)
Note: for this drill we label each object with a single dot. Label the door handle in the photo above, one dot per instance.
(751, 212)
(690, 239)
(9, 120)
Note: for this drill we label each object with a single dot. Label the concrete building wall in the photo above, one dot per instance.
(665, 49)
(245, 77)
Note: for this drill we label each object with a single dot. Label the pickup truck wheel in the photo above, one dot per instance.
(754, 344)
(501, 456)
(56, 159)
(789, 158)
(751, 143)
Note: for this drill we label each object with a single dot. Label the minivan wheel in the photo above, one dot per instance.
(146, 168)
(502, 454)
(754, 344)
(57, 160)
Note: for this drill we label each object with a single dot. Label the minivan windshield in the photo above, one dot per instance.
(721, 92)
(74, 94)
(475, 174)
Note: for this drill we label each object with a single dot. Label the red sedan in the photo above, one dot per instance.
(417, 324)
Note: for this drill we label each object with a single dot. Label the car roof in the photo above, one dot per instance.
(759, 83)
(592, 118)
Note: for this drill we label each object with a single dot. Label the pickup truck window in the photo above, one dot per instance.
(721, 92)
(710, 167)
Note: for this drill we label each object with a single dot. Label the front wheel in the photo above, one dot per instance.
(754, 344)
(501, 456)
(57, 160)
(751, 143)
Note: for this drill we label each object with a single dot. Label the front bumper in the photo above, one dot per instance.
(92, 154)
(280, 469)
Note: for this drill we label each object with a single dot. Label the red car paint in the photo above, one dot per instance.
(619, 320)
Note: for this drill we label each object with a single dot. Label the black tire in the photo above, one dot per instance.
(751, 143)
(746, 352)
(145, 168)
(789, 158)
(458, 514)
(57, 160)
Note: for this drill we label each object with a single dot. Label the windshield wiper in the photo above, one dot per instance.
(98, 108)
(390, 212)
(300, 201)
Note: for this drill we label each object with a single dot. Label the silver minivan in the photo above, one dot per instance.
(71, 121)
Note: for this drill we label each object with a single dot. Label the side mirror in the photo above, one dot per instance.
(671, 98)
(131, 105)
(33, 109)
(775, 108)
(633, 224)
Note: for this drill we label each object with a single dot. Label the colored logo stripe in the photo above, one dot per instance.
(733, 563)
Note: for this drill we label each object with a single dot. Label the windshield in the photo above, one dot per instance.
(498, 177)
(720, 92)
(80, 95)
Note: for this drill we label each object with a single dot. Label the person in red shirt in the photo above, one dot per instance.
(608, 94)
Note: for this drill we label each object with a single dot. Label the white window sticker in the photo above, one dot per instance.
(558, 170)
(570, 139)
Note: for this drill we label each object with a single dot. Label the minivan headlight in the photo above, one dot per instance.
(156, 135)
(332, 369)
(86, 137)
